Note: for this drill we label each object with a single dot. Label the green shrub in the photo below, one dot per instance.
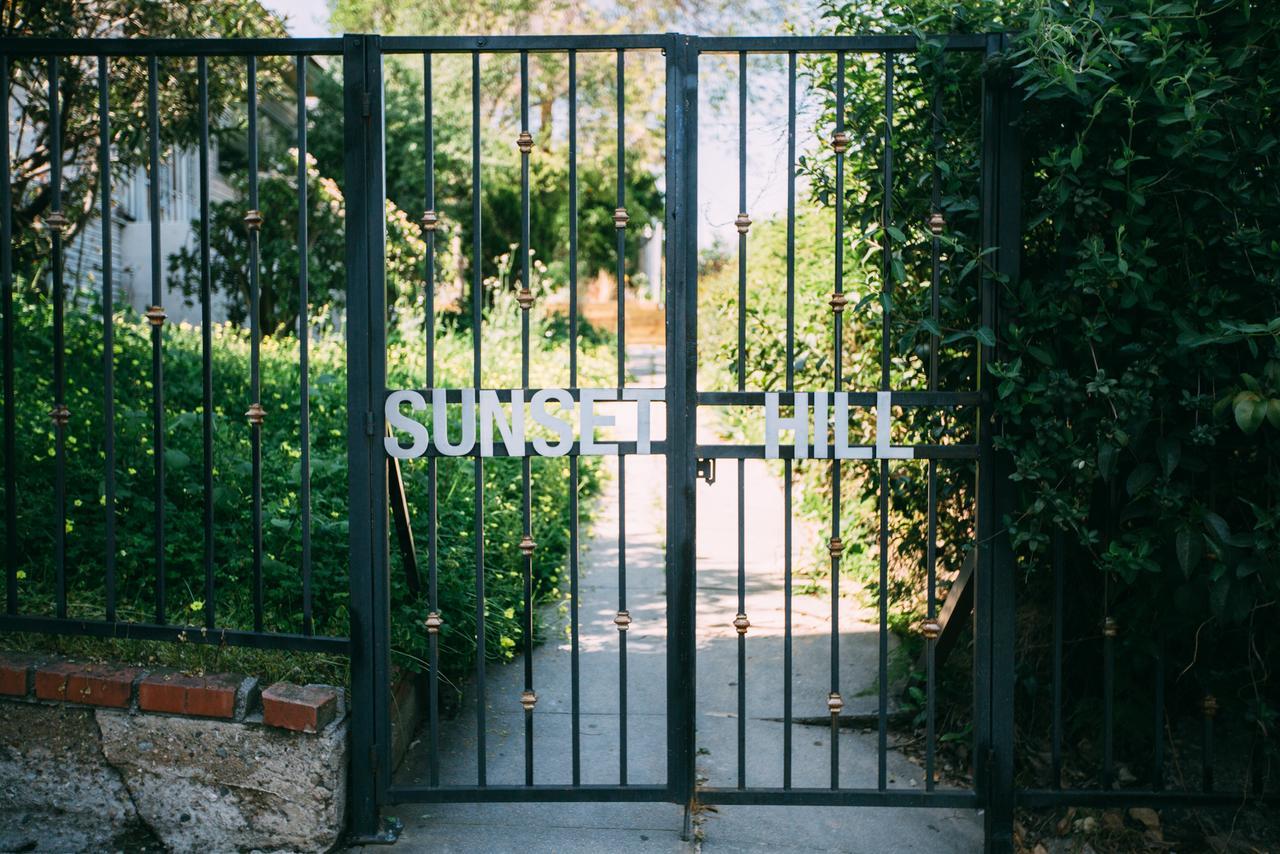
(281, 472)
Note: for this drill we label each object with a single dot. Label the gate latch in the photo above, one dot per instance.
(707, 470)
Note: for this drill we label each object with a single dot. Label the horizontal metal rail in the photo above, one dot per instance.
(401, 794)
(795, 796)
(172, 633)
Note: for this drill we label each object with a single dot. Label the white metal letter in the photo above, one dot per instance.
(512, 431)
(563, 429)
(774, 424)
(405, 424)
(440, 410)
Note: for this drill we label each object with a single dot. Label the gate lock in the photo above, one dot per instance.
(707, 470)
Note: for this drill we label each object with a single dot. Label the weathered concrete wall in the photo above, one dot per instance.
(207, 785)
(75, 779)
(99, 756)
(57, 790)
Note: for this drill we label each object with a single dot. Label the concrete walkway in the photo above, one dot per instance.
(656, 827)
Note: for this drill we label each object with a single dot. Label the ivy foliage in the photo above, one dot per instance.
(1139, 372)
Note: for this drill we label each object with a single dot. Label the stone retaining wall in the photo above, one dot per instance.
(96, 755)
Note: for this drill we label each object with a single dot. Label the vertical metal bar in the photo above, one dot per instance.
(621, 276)
(206, 343)
(255, 343)
(477, 307)
(574, 664)
(1108, 701)
(744, 225)
(6, 289)
(433, 518)
(681, 360)
(994, 598)
(157, 325)
(1157, 764)
(1210, 710)
(1059, 574)
(790, 376)
(108, 338)
(835, 547)
(366, 377)
(932, 629)
(886, 297)
(527, 544)
(59, 341)
(304, 346)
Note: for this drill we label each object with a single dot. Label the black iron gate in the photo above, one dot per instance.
(686, 460)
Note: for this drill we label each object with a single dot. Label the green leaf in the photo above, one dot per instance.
(1217, 526)
(1077, 157)
(1250, 411)
(1189, 545)
(1139, 478)
(1273, 412)
(1169, 452)
(175, 459)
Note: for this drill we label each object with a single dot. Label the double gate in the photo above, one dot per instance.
(374, 783)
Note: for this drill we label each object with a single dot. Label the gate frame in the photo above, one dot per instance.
(993, 666)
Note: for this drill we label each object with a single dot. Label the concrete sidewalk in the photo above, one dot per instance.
(656, 827)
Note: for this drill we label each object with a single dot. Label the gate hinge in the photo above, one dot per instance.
(707, 470)
(366, 106)
(368, 423)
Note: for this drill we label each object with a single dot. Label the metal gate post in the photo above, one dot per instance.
(681, 357)
(364, 190)
(994, 603)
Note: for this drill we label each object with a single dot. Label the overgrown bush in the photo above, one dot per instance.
(184, 490)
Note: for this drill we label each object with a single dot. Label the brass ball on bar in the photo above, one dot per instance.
(256, 414)
(840, 142)
(527, 545)
(937, 222)
(620, 218)
(253, 220)
(1110, 628)
(60, 415)
(524, 142)
(528, 699)
(524, 297)
(835, 547)
(56, 222)
(931, 629)
(430, 221)
(743, 222)
(156, 314)
(433, 623)
(838, 302)
(1210, 706)
(741, 623)
(623, 620)
(835, 704)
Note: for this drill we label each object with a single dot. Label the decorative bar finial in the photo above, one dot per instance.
(743, 222)
(527, 545)
(430, 220)
(524, 142)
(623, 620)
(60, 414)
(620, 218)
(1110, 628)
(528, 699)
(838, 302)
(931, 629)
(524, 297)
(1210, 706)
(256, 414)
(156, 314)
(840, 142)
(56, 222)
(741, 623)
(937, 222)
(253, 220)
(835, 704)
(835, 547)
(434, 622)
